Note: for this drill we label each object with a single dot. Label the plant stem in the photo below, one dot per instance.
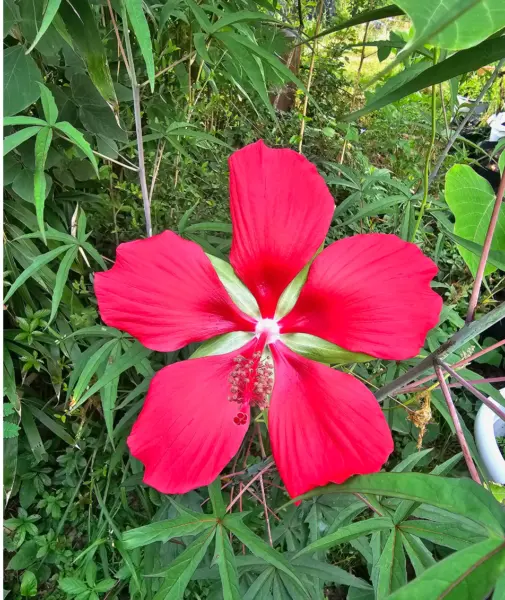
(426, 173)
(465, 334)
(461, 126)
(138, 128)
(474, 298)
(309, 81)
(457, 425)
(498, 410)
(248, 485)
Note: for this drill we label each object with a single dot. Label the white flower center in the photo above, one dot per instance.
(270, 327)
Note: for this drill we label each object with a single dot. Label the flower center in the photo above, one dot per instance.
(270, 327)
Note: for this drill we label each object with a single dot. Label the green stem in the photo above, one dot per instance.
(426, 173)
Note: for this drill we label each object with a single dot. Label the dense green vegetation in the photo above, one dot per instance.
(120, 116)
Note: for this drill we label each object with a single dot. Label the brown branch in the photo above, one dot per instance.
(457, 425)
(248, 485)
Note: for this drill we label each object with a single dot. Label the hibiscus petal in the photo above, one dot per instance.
(281, 210)
(369, 293)
(165, 292)
(186, 434)
(324, 425)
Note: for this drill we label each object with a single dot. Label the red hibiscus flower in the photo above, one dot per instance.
(368, 293)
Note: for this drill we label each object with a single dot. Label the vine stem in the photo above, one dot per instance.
(457, 425)
(138, 128)
(309, 80)
(498, 410)
(474, 298)
(429, 152)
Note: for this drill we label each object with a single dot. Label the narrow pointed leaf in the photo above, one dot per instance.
(141, 28)
(48, 105)
(42, 145)
(61, 280)
(77, 138)
(163, 531)
(227, 568)
(15, 139)
(49, 14)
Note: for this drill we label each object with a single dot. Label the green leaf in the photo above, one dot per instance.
(225, 560)
(21, 75)
(141, 28)
(163, 531)
(28, 584)
(260, 588)
(90, 368)
(420, 557)
(222, 344)
(261, 549)
(200, 16)
(178, 575)
(73, 586)
(407, 464)
(81, 24)
(24, 557)
(34, 267)
(216, 498)
(465, 575)
(461, 62)
(322, 351)
(49, 14)
(460, 496)
(451, 535)
(48, 104)
(61, 279)
(42, 145)
(108, 393)
(326, 572)
(495, 258)
(10, 430)
(454, 24)
(200, 46)
(391, 568)
(51, 424)
(238, 292)
(15, 139)
(363, 17)
(23, 120)
(344, 534)
(239, 17)
(379, 207)
(77, 138)
(133, 356)
(471, 199)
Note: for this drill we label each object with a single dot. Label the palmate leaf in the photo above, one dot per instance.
(225, 560)
(261, 549)
(163, 531)
(21, 75)
(178, 575)
(460, 496)
(420, 557)
(465, 575)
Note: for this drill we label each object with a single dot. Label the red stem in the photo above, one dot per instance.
(457, 425)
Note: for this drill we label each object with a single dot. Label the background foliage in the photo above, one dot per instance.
(119, 118)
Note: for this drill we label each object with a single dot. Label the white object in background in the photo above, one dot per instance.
(489, 426)
(497, 124)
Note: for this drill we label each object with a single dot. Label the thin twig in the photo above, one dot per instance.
(465, 361)
(498, 410)
(170, 67)
(119, 42)
(157, 163)
(265, 506)
(466, 333)
(458, 385)
(474, 298)
(309, 81)
(457, 425)
(131, 168)
(461, 126)
(254, 495)
(248, 485)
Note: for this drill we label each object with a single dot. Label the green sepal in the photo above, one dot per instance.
(222, 344)
(238, 292)
(322, 351)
